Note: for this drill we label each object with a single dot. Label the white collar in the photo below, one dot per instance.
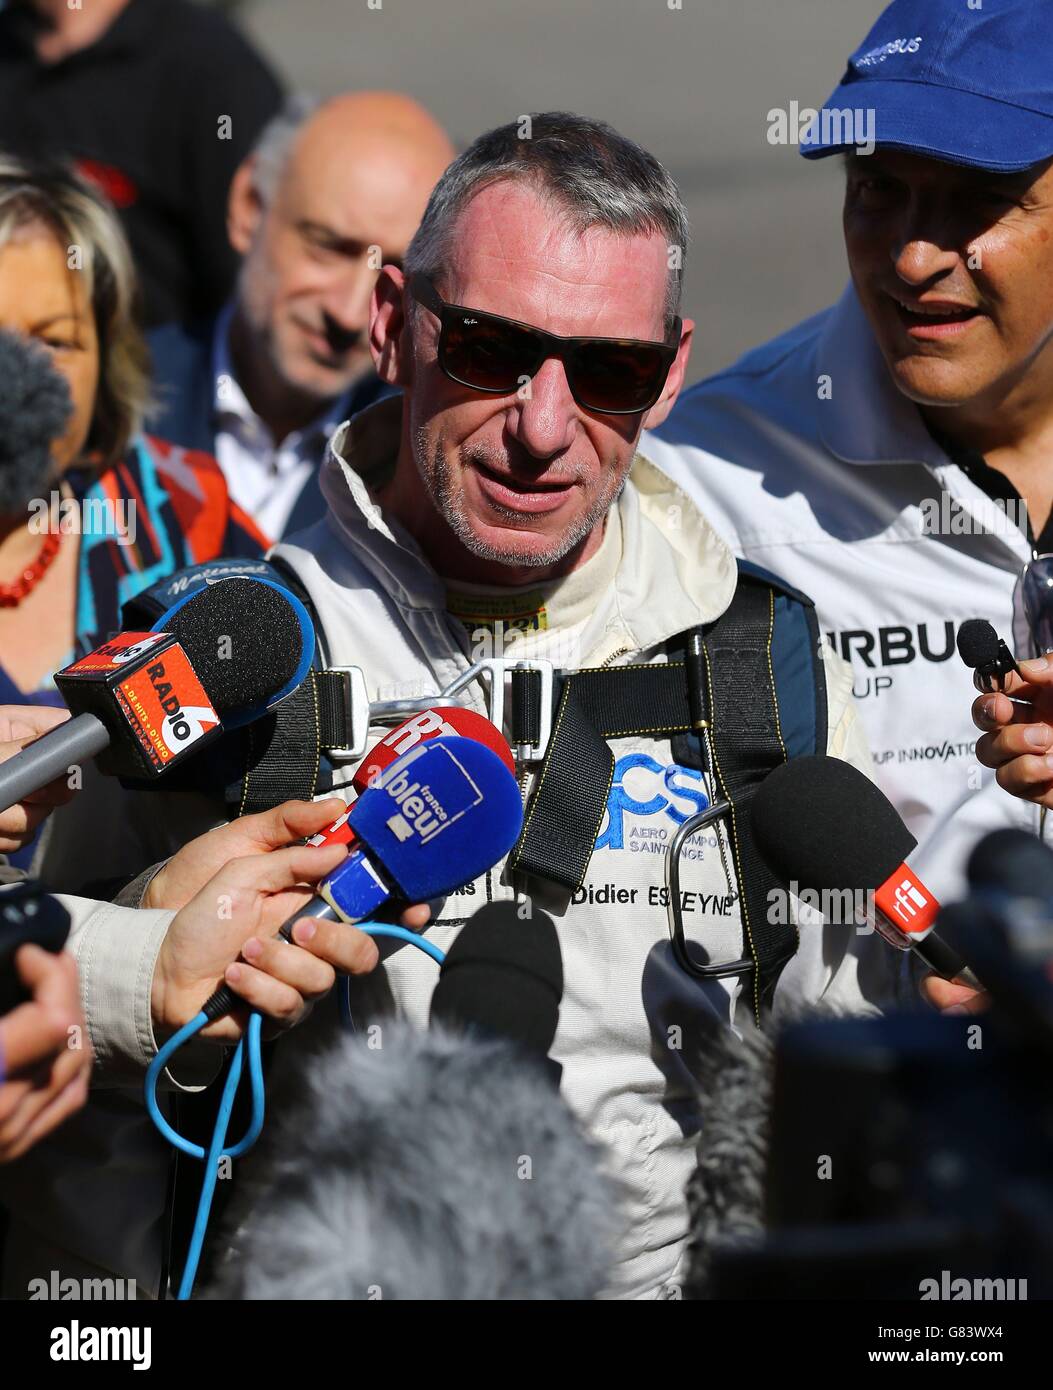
(676, 572)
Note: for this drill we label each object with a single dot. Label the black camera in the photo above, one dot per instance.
(27, 914)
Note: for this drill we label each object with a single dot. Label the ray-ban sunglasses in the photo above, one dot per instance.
(615, 376)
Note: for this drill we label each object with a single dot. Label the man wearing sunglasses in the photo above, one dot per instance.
(891, 456)
(498, 507)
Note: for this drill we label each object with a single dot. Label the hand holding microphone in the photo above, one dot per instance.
(21, 725)
(435, 819)
(43, 1079)
(226, 933)
(199, 953)
(193, 866)
(45, 1055)
(1018, 738)
(1014, 712)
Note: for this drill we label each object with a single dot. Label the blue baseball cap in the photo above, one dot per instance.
(952, 82)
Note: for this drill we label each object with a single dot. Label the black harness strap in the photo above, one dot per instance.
(747, 744)
(566, 809)
(282, 753)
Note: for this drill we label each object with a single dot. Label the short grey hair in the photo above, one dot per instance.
(274, 145)
(594, 175)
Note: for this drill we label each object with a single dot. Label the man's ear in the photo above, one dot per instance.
(244, 207)
(674, 381)
(390, 338)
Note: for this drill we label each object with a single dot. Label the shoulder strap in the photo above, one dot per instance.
(756, 681)
(798, 668)
(759, 663)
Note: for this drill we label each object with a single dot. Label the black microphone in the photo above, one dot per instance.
(216, 660)
(503, 978)
(1012, 862)
(981, 648)
(1005, 927)
(27, 914)
(436, 1165)
(1010, 873)
(825, 829)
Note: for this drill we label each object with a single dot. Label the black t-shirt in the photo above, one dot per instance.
(141, 112)
(996, 485)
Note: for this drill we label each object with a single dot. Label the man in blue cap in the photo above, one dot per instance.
(891, 456)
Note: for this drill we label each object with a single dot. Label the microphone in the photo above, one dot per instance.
(443, 1165)
(1012, 863)
(980, 647)
(852, 840)
(726, 1191)
(443, 720)
(219, 658)
(1010, 873)
(503, 978)
(35, 407)
(437, 818)
(27, 914)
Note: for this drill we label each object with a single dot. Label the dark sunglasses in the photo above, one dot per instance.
(615, 376)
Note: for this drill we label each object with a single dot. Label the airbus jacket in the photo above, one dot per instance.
(811, 463)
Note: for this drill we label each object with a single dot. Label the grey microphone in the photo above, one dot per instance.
(51, 756)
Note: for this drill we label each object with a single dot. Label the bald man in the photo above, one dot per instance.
(329, 194)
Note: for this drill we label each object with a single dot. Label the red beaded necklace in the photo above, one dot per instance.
(11, 595)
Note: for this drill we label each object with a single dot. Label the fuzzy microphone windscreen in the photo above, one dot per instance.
(243, 639)
(729, 1193)
(35, 407)
(423, 1166)
(725, 1194)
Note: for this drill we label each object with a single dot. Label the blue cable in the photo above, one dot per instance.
(382, 929)
(403, 934)
(216, 1148)
(216, 1151)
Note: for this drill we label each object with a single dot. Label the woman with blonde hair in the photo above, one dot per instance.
(105, 510)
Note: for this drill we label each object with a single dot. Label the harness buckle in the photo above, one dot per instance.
(497, 668)
(356, 712)
(359, 713)
(677, 935)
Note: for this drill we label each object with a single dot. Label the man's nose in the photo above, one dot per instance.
(547, 414)
(917, 262)
(925, 246)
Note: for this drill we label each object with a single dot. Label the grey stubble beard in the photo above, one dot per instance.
(448, 501)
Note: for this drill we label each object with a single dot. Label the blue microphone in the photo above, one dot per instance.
(437, 818)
